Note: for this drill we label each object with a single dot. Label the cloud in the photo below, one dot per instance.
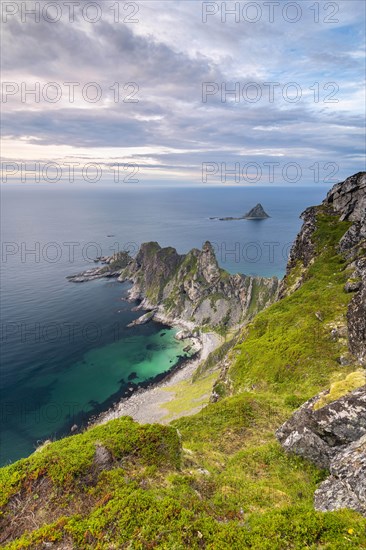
(168, 55)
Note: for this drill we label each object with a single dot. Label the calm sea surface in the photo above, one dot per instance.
(66, 351)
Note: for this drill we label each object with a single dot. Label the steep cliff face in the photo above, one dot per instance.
(348, 199)
(347, 202)
(331, 431)
(194, 288)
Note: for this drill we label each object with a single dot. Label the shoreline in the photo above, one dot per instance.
(147, 405)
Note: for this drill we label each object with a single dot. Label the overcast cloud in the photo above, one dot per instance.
(157, 57)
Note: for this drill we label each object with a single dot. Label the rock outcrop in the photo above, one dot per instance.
(348, 201)
(320, 434)
(346, 486)
(333, 437)
(193, 288)
(113, 266)
(348, 198)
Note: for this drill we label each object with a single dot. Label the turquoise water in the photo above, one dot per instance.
(66, 352)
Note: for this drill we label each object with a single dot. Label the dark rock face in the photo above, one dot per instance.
(193, 287)
(333, 437)
(256, 213)
(356, 318)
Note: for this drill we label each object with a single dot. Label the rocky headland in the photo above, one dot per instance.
(192, 290)
(187, 290)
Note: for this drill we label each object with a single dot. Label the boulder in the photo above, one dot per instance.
(332, 437)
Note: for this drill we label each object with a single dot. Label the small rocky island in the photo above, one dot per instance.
(256, 213)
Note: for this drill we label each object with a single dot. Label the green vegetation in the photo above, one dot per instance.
(217, 479)
(288, 347)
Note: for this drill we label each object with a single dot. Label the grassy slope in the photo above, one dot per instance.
(231, 486)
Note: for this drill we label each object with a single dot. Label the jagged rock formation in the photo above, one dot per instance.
(348, 198)
(193, 288)
(333, 437)
(256, 213)
(348, 201)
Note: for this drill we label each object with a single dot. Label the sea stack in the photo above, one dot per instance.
(256, 213)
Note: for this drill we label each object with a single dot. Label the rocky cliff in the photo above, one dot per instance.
(330, 429)
(347, 202)
(193, 288)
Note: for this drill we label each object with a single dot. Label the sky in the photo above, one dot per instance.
(183, 92)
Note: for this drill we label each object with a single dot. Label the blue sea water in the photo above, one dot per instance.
(66, 351)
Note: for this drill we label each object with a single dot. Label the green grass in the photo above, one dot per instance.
(221, 481)
(66, 460)
(287, 349)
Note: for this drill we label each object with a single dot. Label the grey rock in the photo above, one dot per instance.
(142, 320)
(352, 286)
(183, 335)
(103, 458)
(337, 424)
(346, 486)
(333, 437)
(348, 198)
(304, 442)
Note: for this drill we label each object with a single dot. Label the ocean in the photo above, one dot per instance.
(66, 352)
